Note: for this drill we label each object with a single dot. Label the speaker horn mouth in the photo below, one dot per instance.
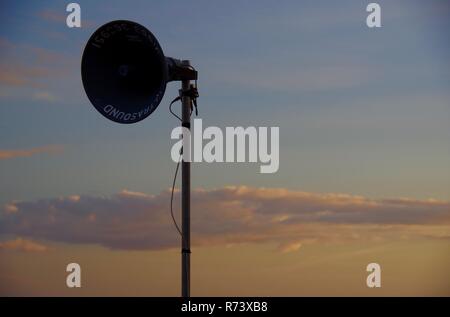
(124, 71)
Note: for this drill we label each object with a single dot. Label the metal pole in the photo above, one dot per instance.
(186, 194)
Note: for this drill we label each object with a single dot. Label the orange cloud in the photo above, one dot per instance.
(20, 244)
(60, 18)
(9, 154)
(44, 96)
(10, 208)
(18, 75)
(52, 16)
(32, 72)
(227, 216)
(289, 247)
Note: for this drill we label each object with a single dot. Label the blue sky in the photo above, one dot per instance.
(364, 152)
(361, 111)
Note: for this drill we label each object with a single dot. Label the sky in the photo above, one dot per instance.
(364, 152)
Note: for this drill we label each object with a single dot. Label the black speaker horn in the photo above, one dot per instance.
(125, 72)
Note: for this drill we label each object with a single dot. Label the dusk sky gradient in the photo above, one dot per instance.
(364, 117)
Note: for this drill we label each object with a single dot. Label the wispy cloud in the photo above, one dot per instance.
(60, 17)
(227, 216)
(24, 245)
(9, 154)
(19, 76)
(30, 71)
(13, 54)
(289, 247)
(52, 16)
(44, 96)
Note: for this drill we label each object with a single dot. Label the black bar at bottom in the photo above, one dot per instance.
(226, 306)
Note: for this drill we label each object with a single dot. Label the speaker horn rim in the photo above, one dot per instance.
(161, 56)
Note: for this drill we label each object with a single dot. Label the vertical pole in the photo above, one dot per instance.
(186, 194)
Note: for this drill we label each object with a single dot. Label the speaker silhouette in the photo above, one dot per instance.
(124, 71)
